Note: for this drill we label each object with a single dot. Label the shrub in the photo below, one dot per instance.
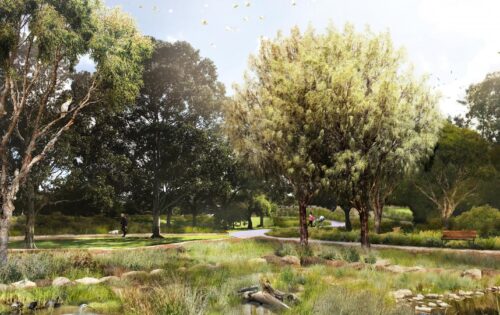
(350, 254)
(485, 220)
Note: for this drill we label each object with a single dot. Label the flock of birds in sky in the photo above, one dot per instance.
(293, 3)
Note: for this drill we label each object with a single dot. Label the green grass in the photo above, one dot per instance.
(203, 278)
(115, 242)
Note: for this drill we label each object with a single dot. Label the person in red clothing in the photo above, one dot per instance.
(311, 219)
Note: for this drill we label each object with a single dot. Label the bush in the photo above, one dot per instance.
(398, 214)
(485, 220)
(350, 254)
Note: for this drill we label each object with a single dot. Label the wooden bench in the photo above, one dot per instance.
(459, 236)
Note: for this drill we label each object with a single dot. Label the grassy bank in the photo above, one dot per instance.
(116, 241)
(421, 238)
(203, 278)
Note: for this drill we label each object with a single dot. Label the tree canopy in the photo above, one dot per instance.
(339, 106)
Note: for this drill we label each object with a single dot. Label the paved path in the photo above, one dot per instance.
(262, 234)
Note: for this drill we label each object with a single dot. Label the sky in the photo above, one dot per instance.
(456, 42)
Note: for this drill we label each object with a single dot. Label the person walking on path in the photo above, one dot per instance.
(124, 224)
(311, 219)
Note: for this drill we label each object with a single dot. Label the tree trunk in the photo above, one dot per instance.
(347, 214)
(7, 209)
(304, 235)
(363, 218)
(261, 219)
(195, 215)
(446, 222)
(29, 229)
(378, 222)
(169, 217)
(156, 210)
(249, 219)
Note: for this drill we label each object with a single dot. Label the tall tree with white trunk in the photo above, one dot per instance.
(41, 43)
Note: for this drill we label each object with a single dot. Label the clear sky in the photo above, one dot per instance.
(457, 42)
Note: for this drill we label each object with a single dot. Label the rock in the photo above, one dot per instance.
(312, 260)
(356, 265)
(23, 284)
(109, 279)
(464, 293)
(273, 259)
(157, 272)
(291, 260)
(87, 281)
(443, 304)
(478, 293)
(3, 287)
(335, 263)
(401, 294)
(472, 273)
(431, 304)
(134, 274)
(432, 296)
(257, 261)
(61, 281)
(395, 269)
(453, 296)
(382, 263)
(418, 297)
(414, 269)
(423, 309)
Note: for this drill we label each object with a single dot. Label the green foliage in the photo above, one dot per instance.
(350, 254)
(459, 164)
(482, 101)
(485, 220)
(398, 214)
(421, 238)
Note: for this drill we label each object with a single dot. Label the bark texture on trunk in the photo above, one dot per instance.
(169, 217)
(29, 229)
(249, 220)
(363, 218)
(378, 222)
(347, 214)
(156, 210)
(261, 220)
(304, 234)
(7, 209)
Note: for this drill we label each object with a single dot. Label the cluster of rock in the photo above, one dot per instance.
(429, 302)
(63, 281)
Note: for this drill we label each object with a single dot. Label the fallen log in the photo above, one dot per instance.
(265, 299)
(267, 296)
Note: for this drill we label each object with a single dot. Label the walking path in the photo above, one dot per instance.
(262, 234)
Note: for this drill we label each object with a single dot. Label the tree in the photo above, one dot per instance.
(483, 104)
(181, 97)
(41, 42)
(339, 107)
(454, 172)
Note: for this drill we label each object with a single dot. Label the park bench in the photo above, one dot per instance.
(459, 235)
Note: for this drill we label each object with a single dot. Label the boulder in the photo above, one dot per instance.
(335, 263)
(291, 260)
(443, 304)
(432, 296)
(423, 309)
(109, 279)
(356, 265)
(472, 273)
(432, 304)
(61, 281)
(401, 294)
(382, 263)
(157, 272)
(418, 297)
(134, 274)
(464, 293)
(88, 281)
(257, 261)
(24, 284)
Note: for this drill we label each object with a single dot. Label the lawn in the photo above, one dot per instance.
(116, 241)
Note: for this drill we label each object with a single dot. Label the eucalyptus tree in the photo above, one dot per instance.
(181, 93)
(483, 104)
(454, 173)
(338, 107)
(41, 42)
